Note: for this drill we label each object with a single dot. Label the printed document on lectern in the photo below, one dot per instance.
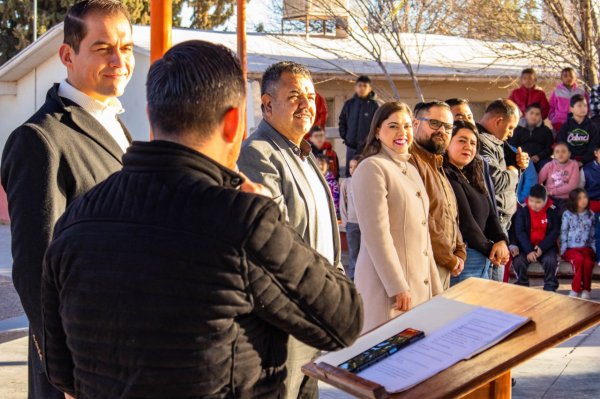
(467, 331)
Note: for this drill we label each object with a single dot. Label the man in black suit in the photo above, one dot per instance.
(73, 142)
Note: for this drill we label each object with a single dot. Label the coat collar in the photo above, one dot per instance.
(87, 124)
(160, 155)
(302, 152)
(434, 160)
(485, 134)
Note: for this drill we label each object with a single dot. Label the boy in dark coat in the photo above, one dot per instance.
(533, 136)
(579, 132)
(537, 227)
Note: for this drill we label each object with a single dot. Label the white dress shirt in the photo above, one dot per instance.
(104, 113)
(322, 220)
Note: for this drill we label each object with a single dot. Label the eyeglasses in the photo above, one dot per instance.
(436, 125)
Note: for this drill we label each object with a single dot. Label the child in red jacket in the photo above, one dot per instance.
(529, 93)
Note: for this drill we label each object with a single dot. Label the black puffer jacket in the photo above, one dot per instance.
(165, 281)
(355, 120)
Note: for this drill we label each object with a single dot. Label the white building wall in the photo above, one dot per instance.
(134, 100)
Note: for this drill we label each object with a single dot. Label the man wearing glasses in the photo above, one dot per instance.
(433, 128)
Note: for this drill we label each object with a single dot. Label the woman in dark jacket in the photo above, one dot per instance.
(479, 225)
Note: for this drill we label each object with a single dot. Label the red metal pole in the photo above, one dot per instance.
(161, 23)
(241, 36)
(241, 46)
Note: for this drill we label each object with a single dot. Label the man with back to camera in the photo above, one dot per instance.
(277, 157)
(188, 283)
(74, 141)
(356, 116)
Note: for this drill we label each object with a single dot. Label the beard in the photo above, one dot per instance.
(434, 146)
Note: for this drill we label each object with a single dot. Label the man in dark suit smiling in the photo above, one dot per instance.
(73, 142)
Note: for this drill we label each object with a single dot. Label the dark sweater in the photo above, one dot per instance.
(478, 221)
(581, 138)
(534, 141)
(166, 281)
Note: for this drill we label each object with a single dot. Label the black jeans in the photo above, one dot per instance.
(38, 385)
(548, 261)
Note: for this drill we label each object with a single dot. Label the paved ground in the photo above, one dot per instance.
(568, 371)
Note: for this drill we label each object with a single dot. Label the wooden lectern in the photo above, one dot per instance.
(555, 318)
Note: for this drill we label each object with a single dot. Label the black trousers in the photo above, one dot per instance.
(38, 385)
(548, 261)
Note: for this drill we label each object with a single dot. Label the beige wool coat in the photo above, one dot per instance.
(395, 253)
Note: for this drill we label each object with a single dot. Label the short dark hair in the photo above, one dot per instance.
(453, 102)
(273, 74)
(363, 79)
(74, 26)
(533, 105)
(573, 199)
(426, 106)
(192, 87)
(502, 107)
(576, 98)
(538, 191)
(528, 71)
(568, 69)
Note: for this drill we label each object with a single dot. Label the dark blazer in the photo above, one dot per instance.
(523, 229)
(56, 156)
(477, 216)
(169, 282)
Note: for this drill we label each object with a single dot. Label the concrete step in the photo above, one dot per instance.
(565, 269)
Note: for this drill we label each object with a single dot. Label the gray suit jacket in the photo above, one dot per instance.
(268, 158)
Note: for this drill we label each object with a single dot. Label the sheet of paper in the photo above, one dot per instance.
(427, 317)
(461, 339)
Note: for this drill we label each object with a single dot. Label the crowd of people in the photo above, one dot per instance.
(201, 264)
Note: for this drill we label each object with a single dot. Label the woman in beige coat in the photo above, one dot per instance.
(395, 270)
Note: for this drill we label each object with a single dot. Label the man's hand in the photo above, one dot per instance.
(535, 159)
(249, 186)
(522, 159)
(514, 251)
(67, 396)
(532, 257)
(403, 301)
(458, 268)
(499, 254)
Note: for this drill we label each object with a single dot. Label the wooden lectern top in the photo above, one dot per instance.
(555, 318)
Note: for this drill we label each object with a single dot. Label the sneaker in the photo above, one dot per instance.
(574, 294)
(586, 295)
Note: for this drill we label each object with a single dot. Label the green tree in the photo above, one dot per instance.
(16, 18)
(208, 14)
